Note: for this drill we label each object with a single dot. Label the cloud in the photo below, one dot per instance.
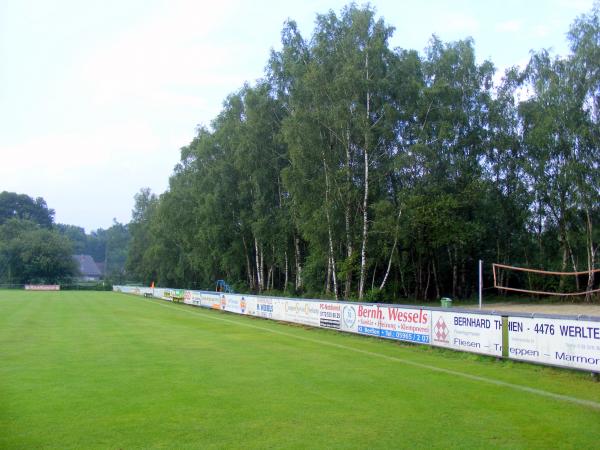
(167, 60)
(97, 170)
(509, 26)
(459, 22)
(576, 5)
(89, 148)
(121, 111)
(541, 31)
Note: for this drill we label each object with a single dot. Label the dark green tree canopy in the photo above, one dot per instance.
(30, 253)
(357, 170)
(21, 206)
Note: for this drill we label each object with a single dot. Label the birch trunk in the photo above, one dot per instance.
(389, 266)
(298, 263)
(349, 246)
(249, 273)
(591, 256)
(331, 257)
(259, 275)
(328, 279)
(363, 251)
(285, 284)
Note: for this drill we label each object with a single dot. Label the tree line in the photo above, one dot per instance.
(35, 249)
(357, 170)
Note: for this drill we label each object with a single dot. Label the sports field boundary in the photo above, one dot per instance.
(496, 382)
(559, 341)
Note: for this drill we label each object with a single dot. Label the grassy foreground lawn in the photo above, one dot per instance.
(106, 370)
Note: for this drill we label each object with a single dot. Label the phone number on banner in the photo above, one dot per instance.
(398, 335)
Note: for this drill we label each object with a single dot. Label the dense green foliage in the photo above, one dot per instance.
(33, 249)
(106, 370)
(21, 206)
(106, 246)
(356, 170)
(30, 253)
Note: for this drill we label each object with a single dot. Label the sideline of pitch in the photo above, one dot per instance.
(540, 392)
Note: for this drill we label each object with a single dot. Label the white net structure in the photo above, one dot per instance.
(546, 282)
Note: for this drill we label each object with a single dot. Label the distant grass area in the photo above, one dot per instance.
(106, 370)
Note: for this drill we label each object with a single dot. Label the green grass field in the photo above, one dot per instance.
(106, 370)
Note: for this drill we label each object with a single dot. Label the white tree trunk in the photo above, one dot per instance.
(259, 274)
(389, 266)
(349, 246)
(285, 284)
(298, 263)
(591, 253)
(363, 251)
(329, 234)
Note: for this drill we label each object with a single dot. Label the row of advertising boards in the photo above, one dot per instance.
(42, 287)
(557, 341)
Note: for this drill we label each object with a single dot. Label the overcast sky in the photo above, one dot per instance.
(97, 97)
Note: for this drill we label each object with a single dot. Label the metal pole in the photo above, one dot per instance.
(480, 283)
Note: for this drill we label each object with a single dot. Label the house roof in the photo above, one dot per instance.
(100, 266)
(87, 266)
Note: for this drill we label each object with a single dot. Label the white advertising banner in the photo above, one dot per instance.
(302, 312)
(212, 301)
(251, 304)
(124, 289)
(412, 325)
(330, 315)
(195, 298)
(264, 307)
(477, 333)
(558, 342)
(279, 307)
(42, 287)
(234, 303)
(349, 318)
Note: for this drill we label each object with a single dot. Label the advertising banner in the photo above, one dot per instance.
(145, 291)
(411, 325)
(558, 342)
(250, 305)
(279, 309)
(390, 322)
(477, 333)
(159, 292)
(234, 303)
(349, 322)
(167, 294)
(264, 307)
(212, 301)
(368, 319)
(178, 295)
(195, 298)
(302, 312)
(330, 315)
(42, 287)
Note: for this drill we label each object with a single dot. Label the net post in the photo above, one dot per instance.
(480, 283)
